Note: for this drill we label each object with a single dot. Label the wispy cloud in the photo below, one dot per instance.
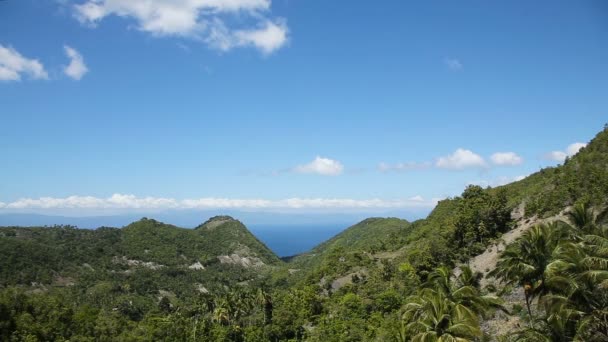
(560, 156)
(13, 66)
(321, 166)
(453, 64)
(403, 167)
(76, 69)
(201, 20)
(123, 201)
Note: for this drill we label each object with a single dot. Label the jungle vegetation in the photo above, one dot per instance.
(383, 279)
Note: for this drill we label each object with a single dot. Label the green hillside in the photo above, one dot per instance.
(50, 253)
(383, 279)
(371, 233)
(582, 178)
(352, 248)
(224, 234)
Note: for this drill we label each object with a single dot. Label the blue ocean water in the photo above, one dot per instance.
(288, 240)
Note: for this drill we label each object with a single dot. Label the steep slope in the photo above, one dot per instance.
(462, 227)
(351, 252)
(544, 194)
(582, 177)
(234, 243)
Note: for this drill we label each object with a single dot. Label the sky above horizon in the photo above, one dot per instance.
(289, 105)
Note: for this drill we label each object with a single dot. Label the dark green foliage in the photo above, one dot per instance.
(383, 279)
(566, 268)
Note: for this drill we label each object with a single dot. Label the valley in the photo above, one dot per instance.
(522, 262)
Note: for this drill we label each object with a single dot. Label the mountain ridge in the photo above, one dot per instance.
(154, 281)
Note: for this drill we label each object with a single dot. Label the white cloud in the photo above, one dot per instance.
(574, 148)
(321, 166)
(402, 167)
(122, 201)
(559, 156)
(453, 64)
(461, 159)
(268, 38)
(571, 150)
(76, 69)
(202, 20)
(506, 158)
(13, 66)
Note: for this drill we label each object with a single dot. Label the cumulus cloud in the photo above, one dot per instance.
(453, 64)
(461, 159)
(76, 69)
(122, 201)
(203, 20)
(574, 148)
(403, 167)
(13, 66)
(321, 166)
(268, 38)
(560, 156)
(506, 158)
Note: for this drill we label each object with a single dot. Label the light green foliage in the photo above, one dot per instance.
(582, 179)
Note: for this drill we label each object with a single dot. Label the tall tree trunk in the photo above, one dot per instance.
(528, 307)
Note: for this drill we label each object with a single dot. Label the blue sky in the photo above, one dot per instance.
(290, 104)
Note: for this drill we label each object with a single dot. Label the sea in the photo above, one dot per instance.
(289, 240)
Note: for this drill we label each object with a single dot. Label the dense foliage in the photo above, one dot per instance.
(565, 268)
(384, 279)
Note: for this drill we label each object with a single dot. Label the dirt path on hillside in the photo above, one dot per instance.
(486, 261)
(502, 323)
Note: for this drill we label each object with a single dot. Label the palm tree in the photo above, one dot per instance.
(566, 266)
(463, 289)
(593, 327)
(578, 277)
(264, 299)
(525, 261)
(222, 312)
(431, 317)
(582, 217)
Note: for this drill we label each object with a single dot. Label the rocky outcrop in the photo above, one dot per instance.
(135, 263)
(245, 261)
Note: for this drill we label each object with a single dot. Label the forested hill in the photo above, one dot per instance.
(172, 258)
(370, 235)
(383, 279)
(224, 233)
(582, 178)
